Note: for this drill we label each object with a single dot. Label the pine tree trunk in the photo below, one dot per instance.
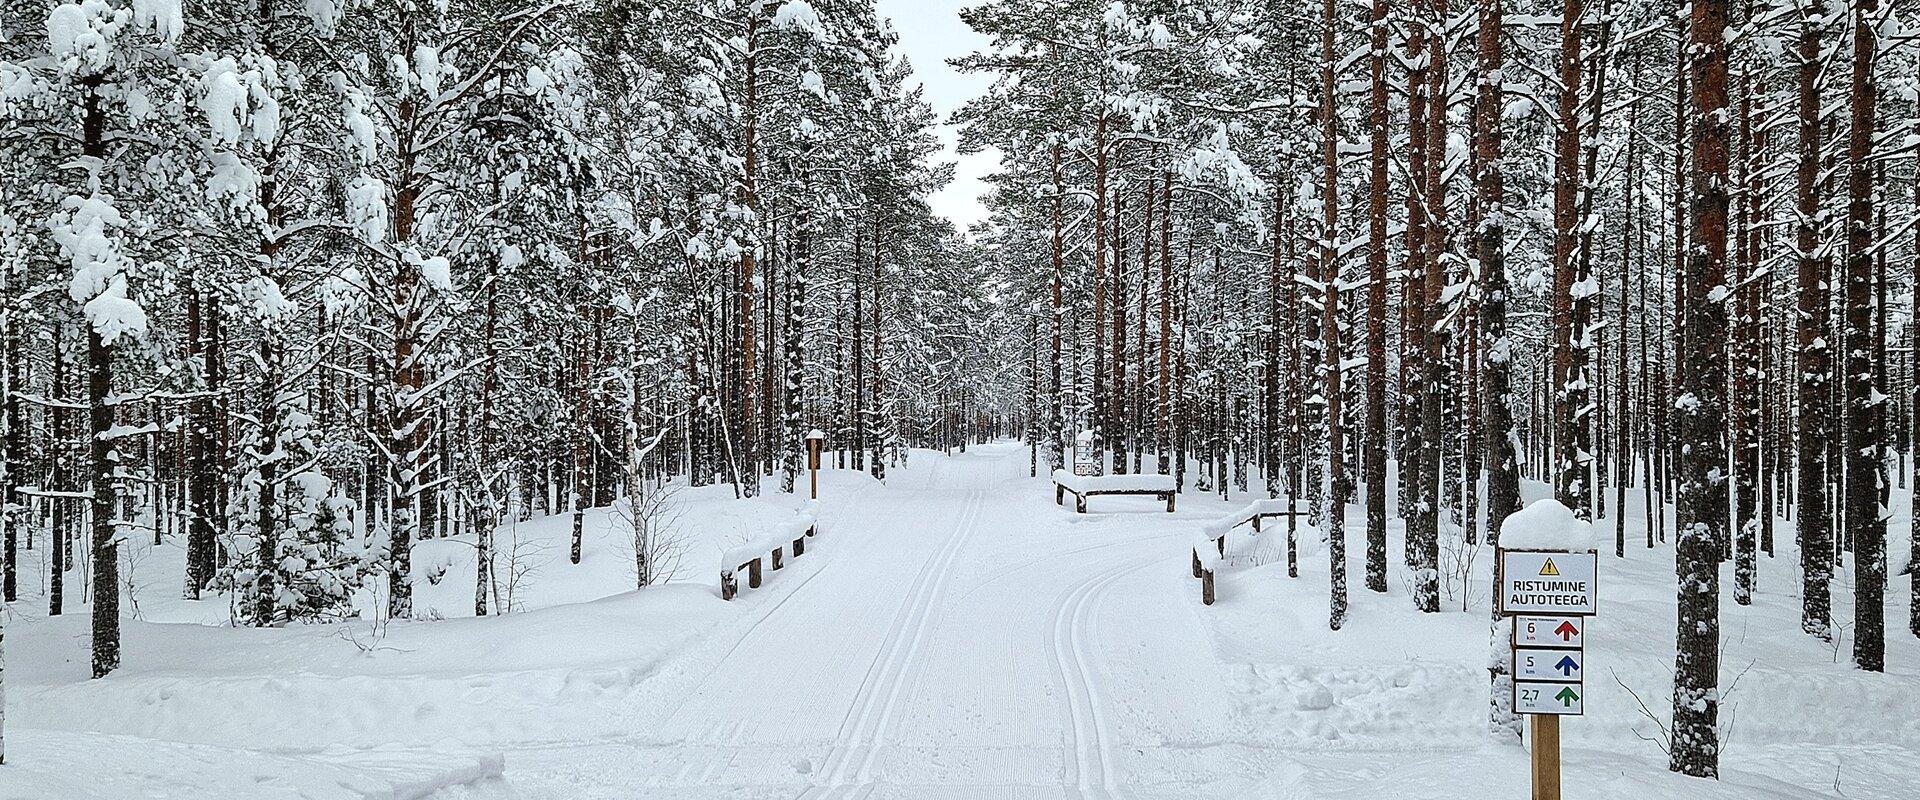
(1497, 438)
(13, 440)
(1163, 408)
(1329, 326)
(1057, 435)
(1374, 445)
(1865, 405)
(1117, 407)
(1574, 290)
(1423, 559)
(1701, 407)
(101, 462)
(744, 435)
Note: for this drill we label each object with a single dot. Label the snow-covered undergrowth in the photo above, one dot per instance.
(281, 710)
(1401, 696)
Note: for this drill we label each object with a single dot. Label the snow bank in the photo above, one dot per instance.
(51, 764)
(1547, 525)
(776, 536)
(1140, 482)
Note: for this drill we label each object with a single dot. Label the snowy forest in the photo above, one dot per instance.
(298, 288)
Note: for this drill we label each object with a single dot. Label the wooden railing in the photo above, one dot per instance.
(769, 548)
(1210, 551)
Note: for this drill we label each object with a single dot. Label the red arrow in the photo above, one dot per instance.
(1566, 630)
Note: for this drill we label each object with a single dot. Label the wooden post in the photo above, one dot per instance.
(776, 557)
(753, 574)
(1170, 496)
(1206, 588)
(729, 585)
(800, 546)
(1196, 563)
(813, 464)
(1546, 757)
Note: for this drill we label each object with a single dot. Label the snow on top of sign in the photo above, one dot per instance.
(1546, 525)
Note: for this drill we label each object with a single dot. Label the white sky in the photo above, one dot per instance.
(930, 33)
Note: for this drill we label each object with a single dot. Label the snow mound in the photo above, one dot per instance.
(74, 765)
(1547, 525)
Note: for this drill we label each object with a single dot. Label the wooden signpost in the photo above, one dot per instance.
(1549, 594)
(1084, 461)
(814, 439)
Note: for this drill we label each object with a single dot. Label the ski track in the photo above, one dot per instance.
(849, 764)
(729, 733)
(1089, 737)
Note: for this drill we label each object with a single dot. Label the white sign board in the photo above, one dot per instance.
(1540, 697)
(1539, 664)
(1548, 631)
(1548, 582)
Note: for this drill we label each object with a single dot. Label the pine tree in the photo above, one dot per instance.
(1701, 406)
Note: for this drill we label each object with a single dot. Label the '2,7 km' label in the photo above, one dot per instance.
(1540, 697)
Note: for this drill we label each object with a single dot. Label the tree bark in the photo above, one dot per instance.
(1701, 408)
(1866, 406)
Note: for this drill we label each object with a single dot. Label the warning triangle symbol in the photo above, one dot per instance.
(1549, 569)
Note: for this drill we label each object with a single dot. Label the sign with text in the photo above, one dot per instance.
(1542, 697)
(1548, 582)
(1531, 631)
(1542, 664)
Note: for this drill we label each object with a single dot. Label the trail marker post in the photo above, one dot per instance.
(1084, 462)
(814, 439)
(1549, 595)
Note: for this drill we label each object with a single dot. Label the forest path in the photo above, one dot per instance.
(962, 638)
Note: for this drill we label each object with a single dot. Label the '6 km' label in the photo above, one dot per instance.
(1548, 631)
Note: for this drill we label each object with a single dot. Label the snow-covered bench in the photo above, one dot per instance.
(770, 546)
(1085, 486)
(1210, 549)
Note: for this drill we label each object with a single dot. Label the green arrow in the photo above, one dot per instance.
(1566, 697)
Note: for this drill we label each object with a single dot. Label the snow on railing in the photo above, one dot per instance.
(769, 545)
(1255, 511)
(1210, 548)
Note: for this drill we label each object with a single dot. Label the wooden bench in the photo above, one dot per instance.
(768, 548)
(1146, 485)
(1210, 551)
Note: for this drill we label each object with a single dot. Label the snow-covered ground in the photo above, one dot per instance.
(950, 634)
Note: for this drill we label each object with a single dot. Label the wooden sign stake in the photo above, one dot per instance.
(813, 464)
(1546, 756)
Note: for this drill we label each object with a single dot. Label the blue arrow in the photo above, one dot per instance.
(1567, 665)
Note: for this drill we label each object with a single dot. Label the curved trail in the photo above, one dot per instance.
(959, 636)
(1074, 648)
